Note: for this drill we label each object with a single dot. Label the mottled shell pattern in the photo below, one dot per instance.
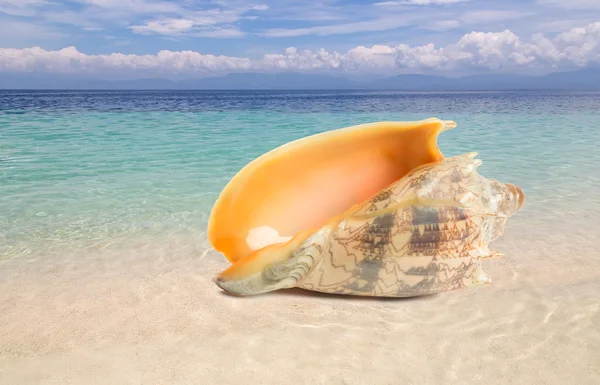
(426, 233)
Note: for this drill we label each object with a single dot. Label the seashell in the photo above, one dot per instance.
(369, 210)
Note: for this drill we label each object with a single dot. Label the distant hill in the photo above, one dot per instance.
(64, 82)
(582, 80)
(276, 81)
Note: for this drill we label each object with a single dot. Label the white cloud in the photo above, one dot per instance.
(579, 45)
(135, 6)
(165, 26)
(338, 29)
(70, 60)
(376, 58)
(494, 50)
(486, 51)
(442, 25)
(259, 7)
(20, 7)
(384, 16)
(571, 4)
(305, 60)
(209, 23)
(162, 17)
(222, 33)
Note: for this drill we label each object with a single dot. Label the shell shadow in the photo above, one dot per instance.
(301, 293)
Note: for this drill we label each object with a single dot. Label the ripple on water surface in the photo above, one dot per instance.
(100, 165)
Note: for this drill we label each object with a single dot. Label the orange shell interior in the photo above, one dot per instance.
(304, 184)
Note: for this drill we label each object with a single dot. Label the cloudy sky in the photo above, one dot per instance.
(196, 38)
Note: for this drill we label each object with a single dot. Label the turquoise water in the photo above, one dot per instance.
(108, 166)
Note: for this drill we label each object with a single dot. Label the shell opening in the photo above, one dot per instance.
(305, 184)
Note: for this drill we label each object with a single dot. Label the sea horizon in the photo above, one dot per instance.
(304, 90)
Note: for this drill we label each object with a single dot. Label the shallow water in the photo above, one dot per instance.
(105, 268)
(110, 166)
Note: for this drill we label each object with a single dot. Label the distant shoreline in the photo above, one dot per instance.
(582, 80)
(324, 90)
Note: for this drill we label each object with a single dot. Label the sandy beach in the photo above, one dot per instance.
(148, 313)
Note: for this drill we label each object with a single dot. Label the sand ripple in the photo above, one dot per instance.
(149, 313)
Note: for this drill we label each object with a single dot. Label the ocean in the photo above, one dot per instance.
(105, 197)
(108, 166)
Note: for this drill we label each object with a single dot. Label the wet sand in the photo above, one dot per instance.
(150, 314)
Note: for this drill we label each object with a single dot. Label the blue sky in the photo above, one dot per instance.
(210, 37)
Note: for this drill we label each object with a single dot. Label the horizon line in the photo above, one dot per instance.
(305, 90)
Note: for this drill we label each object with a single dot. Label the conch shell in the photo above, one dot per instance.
(370, 210)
